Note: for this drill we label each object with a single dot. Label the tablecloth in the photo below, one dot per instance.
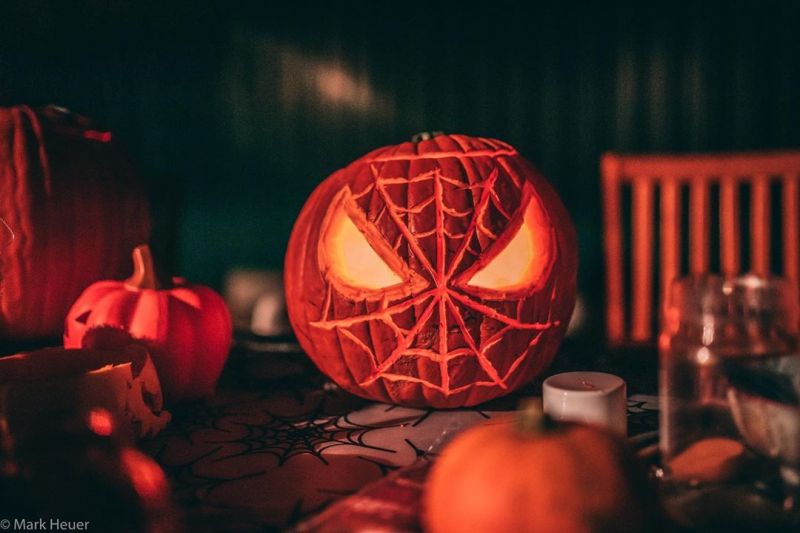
(279, 445)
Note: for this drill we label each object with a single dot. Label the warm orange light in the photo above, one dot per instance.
(351, 259)
(524, 258)
(147, 478)
(101, 422)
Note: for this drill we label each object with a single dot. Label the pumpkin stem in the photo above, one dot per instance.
(145, 275)
(425, 136)
(531, 419)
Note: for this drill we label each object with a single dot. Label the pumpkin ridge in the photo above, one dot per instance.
(374, 347)
(460, 143)
(18, 306)
(444, 155)
(343, 350)
(417, 167)
(340, 343)
(36, 126)
(39, 166)
(176, 323)
(10, 258)
(23, 168)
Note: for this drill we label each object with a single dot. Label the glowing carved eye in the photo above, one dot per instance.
(354, 255)
(352, 259)
(523, 256)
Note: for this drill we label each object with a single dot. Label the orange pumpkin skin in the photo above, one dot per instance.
(71, 209)
(438, 214)
(574, 479)
(187, 328)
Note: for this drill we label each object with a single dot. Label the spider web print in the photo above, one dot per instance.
(266, 461)
(287, 436)
(443, 330)
(642, 415)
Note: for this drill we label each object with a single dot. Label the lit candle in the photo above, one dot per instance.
(594, 398)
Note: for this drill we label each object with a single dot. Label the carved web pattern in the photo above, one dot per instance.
(443, 323)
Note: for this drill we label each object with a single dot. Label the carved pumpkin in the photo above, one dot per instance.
(439, 273)
(523, 474)
(186, 326)
(120, 379)
(71, 210)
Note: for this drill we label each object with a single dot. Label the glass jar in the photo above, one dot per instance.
(728, 356)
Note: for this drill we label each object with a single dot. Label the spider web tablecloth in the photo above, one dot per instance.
(278, 445)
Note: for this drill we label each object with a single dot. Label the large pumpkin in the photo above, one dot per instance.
(440, 272)
(71, 210)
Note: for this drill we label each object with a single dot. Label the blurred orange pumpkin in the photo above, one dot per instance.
(187, 327)
(519, 475)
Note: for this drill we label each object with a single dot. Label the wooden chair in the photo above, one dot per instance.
(743, 185)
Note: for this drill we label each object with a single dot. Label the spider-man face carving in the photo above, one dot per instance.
(436, 273)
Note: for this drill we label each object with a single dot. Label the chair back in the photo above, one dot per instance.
(670, 215)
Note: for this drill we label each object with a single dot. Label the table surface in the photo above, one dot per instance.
(279, 446)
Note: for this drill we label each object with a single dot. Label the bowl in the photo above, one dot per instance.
(764, 396)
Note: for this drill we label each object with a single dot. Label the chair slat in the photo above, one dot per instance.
(669, 173)
(670, 233)
(729, 224)
(790, 244)
(612, 206)
(698, 225)
(759, 225)
(687, 165)
(642, 268)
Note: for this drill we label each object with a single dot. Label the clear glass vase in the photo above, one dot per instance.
(730, 418)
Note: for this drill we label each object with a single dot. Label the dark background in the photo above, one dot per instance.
(235, 111)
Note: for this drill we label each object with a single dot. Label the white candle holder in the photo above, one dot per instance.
(594, 398)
